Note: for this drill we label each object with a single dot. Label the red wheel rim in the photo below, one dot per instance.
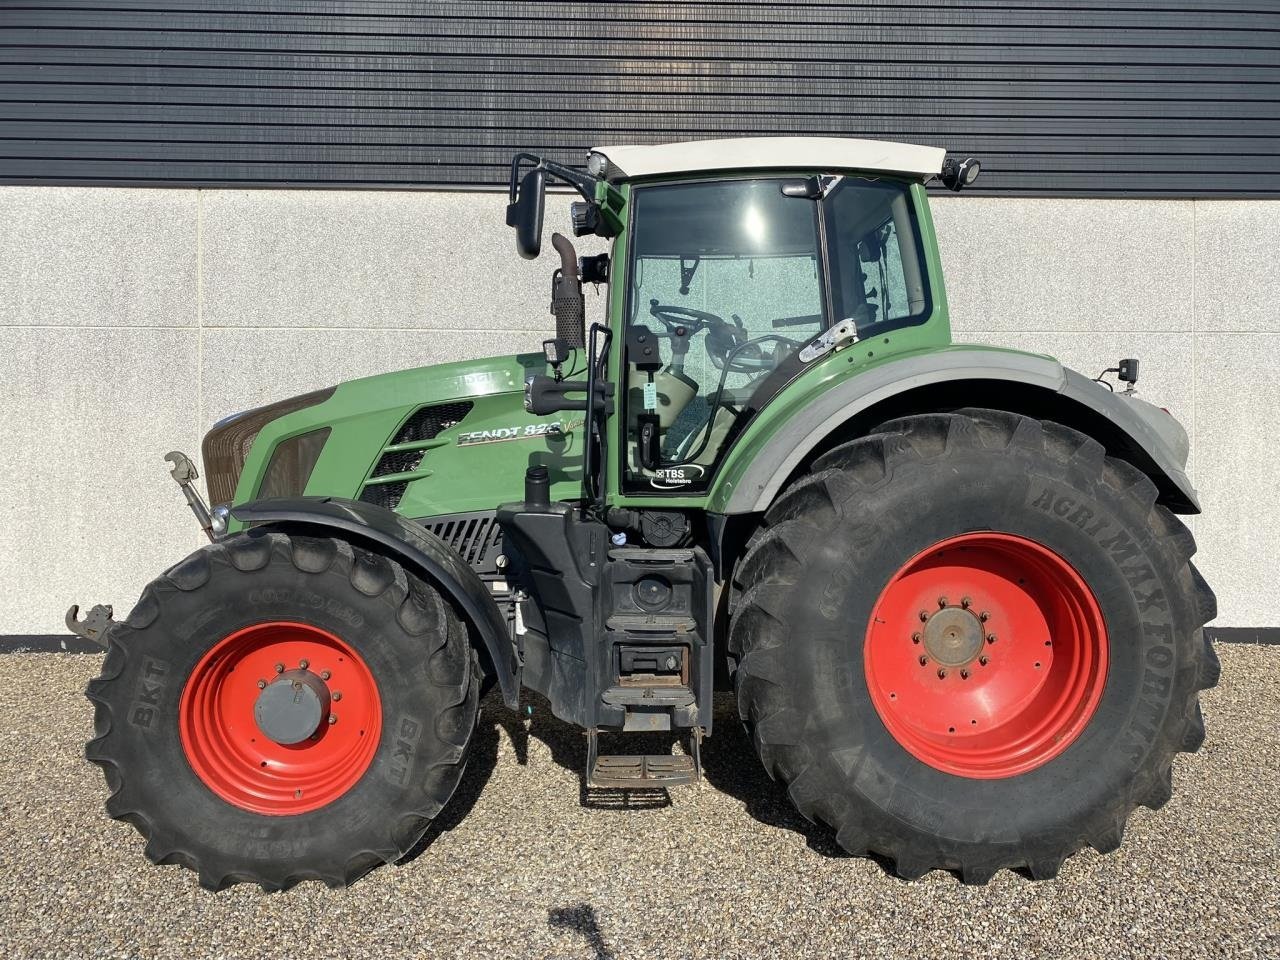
(237, 760)
(986, 655)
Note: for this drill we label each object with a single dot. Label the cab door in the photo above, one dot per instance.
(725, 283)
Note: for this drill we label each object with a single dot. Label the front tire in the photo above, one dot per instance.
(282, 708)
(972, 641)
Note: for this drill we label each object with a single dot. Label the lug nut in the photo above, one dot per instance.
(966, 602)
(337, 695)
(332, 719)
(964, 674)
(262, 684)
(942, 601)
(924, 661)
(942, 673)
(983, 660)
(984, 616)
(991, 638)
(924, 614)
(303, 664)
(325, 674)
(915, 638)
(279, 668)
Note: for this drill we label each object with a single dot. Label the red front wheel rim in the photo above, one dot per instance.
(228, 748)
(986, 655)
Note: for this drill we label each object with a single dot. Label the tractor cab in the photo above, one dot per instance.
(728, 267)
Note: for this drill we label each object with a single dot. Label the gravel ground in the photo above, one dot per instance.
(520, 868)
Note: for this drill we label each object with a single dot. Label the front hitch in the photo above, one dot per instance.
(95, 624)
(183, 473)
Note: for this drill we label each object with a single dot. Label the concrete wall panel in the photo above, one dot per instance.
(76, 257)
(1088, 265)
(1238, 266)
(88, 511)
(1237, 460)
(371, 260)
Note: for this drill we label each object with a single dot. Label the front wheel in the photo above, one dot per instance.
(972, 641)
(281, 708)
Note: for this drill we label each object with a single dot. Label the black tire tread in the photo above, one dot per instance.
(809, 506)
(372, 574)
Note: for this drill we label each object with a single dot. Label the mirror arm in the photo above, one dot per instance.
(583, 183)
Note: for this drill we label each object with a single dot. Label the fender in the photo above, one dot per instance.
(416, 548)
(1135, 430)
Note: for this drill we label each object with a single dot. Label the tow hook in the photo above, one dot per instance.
(95, 624)
(184, 472)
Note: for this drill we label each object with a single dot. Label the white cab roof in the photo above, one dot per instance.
(773, 153)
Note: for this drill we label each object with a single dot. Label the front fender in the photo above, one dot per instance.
(414, 547)
(1133, 428)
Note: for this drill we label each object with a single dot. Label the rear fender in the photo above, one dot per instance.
(412, 546)
(1033, 385)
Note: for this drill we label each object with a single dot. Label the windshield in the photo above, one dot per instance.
(726, 281)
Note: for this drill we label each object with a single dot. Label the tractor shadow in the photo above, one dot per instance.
(481, 761)
(730, 764)
(568, 747)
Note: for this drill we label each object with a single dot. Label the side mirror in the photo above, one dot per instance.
(525, 213)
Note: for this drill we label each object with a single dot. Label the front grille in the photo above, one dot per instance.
(426, 423)
(477, 538)
(226, 447)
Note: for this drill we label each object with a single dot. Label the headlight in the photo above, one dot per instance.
(291, 464)
(226, 446)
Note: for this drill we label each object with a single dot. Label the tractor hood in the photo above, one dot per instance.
(424, 442)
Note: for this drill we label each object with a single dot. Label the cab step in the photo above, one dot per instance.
(643, 771)
(649, 695)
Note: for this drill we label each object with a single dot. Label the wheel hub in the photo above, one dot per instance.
(953, 637)
(986, 655)
(280, 718)
(292, 707)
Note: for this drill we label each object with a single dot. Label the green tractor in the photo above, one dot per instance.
(946, 582)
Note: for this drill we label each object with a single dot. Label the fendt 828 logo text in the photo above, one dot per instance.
(528, 431)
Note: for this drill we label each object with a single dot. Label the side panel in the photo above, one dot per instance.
(473, 466)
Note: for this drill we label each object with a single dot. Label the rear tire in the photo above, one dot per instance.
(185, 755)
(828, 672)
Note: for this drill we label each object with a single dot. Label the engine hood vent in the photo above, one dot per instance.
(402, 459)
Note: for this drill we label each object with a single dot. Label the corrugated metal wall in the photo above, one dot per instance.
(1074, 97)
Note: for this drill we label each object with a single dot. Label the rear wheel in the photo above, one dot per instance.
(972, 641)
(281, 708)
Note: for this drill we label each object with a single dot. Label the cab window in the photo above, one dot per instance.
(878, 273)
(725, 283)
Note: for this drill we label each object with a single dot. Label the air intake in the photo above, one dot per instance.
(402, 458)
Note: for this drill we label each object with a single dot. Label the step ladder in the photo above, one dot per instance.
(644, 771)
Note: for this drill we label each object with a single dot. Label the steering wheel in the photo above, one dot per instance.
(726, 342)
(673, 316)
